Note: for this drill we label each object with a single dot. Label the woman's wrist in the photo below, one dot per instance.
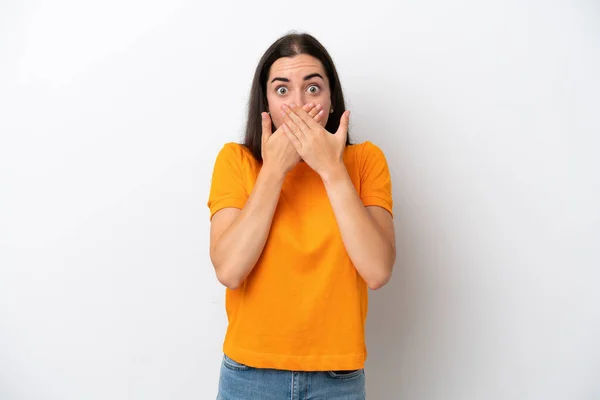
(272, 174)
(335, 173)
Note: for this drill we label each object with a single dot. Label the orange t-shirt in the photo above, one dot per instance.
(304, 306)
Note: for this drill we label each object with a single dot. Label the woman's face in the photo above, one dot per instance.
(300, 80)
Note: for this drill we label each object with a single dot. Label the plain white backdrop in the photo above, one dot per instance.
(112, 113)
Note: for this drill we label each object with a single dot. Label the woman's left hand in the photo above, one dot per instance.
(321, 150)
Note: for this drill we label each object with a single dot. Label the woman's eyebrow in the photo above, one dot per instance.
(307, 77)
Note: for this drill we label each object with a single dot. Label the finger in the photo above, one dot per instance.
(266, 126)
(293, 113)
(342, 131)
(309, 121)
(291, 124)
(308, 107)
(320, 113)
(292, 137)
(314, 111)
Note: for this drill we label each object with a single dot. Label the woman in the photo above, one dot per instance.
(301, 227)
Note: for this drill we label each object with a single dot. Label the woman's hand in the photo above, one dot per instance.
(321, 150)
(279, 155)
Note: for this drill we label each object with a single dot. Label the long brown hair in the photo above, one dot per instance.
(289, 45)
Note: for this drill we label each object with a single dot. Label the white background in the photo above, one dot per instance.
(112, 113)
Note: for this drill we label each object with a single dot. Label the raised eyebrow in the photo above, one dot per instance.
(307, 77)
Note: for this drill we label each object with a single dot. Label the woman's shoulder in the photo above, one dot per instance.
(234, 148)
(364, 150)
(237, 152)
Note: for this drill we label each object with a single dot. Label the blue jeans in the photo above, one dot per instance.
(241, 382)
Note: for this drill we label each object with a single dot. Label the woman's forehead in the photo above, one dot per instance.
(301, 64)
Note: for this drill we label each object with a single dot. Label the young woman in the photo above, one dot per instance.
(301, 227)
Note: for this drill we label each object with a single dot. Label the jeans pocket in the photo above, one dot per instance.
(352, 374)
(234, 365)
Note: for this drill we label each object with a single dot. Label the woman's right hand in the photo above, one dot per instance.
(278, 153)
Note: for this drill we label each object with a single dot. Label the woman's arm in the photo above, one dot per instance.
(367, 232)
(237, 237)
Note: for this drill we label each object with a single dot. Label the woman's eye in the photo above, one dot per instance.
(313, 89)
(281, 90)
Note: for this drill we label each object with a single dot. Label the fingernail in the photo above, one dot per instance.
(293, 105)
(284, 106)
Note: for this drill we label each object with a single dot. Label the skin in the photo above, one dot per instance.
(298, 90)
(367, 232)
(299, 109)
(237, 237)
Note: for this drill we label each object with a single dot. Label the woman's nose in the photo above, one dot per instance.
(298, 99)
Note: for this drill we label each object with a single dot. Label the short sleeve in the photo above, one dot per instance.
(227, 188)
(375, 179)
